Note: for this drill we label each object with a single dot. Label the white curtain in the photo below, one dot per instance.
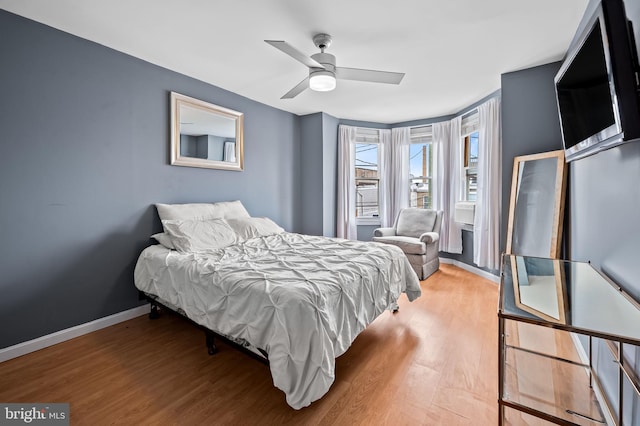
(385, 173)
(346, 215)
(449, 181)
(486, 225)
(441, 164)
(398, 176)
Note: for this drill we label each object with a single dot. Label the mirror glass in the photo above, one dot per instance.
(537, 205)
(539, 287)
(205, 135)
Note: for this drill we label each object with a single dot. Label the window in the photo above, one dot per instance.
(470, 126)
(421, 168)
(471, 166)
(367, 174)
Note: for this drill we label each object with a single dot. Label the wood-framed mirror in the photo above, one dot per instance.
(205, 135)
(536, 209)
(539, 287)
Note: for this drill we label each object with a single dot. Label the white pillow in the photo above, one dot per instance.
(223, 210)
(164, 239)
(190, 236)
(252, 227)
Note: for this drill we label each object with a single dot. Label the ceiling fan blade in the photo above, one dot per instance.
(369, 75)
(294, 53)
(299, 88)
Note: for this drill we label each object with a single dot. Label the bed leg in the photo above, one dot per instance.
(154, 312)
(211, 346)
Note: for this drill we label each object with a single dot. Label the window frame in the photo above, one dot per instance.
(368, 136)
(468, 169)
(422, 135)
(470, 125)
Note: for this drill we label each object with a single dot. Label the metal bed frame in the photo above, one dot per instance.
(157, 305)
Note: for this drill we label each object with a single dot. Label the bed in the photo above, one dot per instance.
(299, 300)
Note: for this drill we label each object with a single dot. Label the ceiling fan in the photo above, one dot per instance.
(323, 71)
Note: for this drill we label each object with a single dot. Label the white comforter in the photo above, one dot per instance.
(303, 299)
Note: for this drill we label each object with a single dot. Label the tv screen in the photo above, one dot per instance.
(584, 94)
(596, 86)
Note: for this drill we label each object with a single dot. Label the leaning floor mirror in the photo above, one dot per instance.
(537, 205)
(205, 135)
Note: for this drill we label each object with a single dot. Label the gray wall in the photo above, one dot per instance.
(530, 123)
(85, 152)
(319, 159)
(189, 146)
(467, 252)
(215, 147)
(605, 196)
(311, 160)
(330, 174)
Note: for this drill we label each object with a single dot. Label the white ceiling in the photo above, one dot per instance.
(452, 51)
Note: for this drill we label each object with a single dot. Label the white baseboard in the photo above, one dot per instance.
(472, 269)
(70, 333)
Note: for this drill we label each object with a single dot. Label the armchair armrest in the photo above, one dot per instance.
(429, 237)
(384, 232)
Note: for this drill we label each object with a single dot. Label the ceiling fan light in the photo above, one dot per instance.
(322, 81)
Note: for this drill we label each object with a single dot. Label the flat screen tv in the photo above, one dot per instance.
(597, 86)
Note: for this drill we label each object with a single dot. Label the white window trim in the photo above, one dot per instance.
(372, 136)
(470, 124)
(422, 135)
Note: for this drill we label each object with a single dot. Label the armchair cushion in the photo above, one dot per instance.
(409, 245)
(414, 222)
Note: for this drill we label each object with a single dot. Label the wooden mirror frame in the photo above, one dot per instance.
(215, 112)
(560, 292)
(559, 188)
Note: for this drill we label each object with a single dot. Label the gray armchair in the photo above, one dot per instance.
(416, 232)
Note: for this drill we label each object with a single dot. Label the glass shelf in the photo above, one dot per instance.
(568, 295)
(548, 374)
(550, 384)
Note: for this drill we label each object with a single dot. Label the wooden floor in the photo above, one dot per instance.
(433, 363)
